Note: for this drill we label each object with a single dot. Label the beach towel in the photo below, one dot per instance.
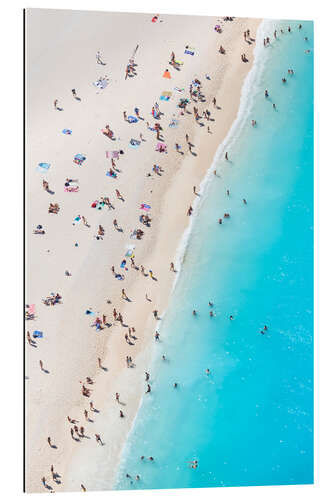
(166, 95)
(114, 175)
(89, 312)
(166, 74)
(144, 206)
(79, 159)
(37, 334)
(71, 189)
(179, 89)
(32, 309)
(179, 63)
(132, 119)
(161, 147)
(112, 154)
(67, 131)
(77, 220)
(189, 50)
(134, 143)
(42, 167)
(101, 83)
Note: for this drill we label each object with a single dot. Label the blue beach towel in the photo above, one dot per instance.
(37, 334)
(42, 167)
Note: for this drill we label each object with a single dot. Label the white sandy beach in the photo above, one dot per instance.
(61, 51)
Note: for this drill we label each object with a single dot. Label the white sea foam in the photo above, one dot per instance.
(248, 93)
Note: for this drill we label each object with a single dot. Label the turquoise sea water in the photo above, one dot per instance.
(250, 422)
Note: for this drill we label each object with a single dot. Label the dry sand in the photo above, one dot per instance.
(61, 51)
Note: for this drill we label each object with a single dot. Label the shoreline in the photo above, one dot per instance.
(250, 81)
(72, 463)
(231, 137)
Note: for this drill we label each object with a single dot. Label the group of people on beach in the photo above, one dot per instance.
(196, 97)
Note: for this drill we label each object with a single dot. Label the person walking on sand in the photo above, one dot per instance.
(148, 388)
(84, 220)
(98, 439)
(226, 156)
(99, 362)
(43, 479)
(72, 433)
(172, 267)
(29, 339)
(117, 397)
(83, 488)
(99, 59)
(121, 414)
(125, 116)
(119, 195)
(49, 441)
(123, 294)
(147, 376)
